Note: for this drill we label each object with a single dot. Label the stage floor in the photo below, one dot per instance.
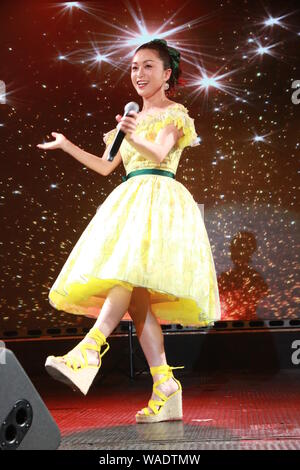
(221, 410)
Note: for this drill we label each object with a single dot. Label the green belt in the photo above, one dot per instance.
(146, 171)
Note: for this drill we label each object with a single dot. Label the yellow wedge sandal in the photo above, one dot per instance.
(78, 378)
(169, 408)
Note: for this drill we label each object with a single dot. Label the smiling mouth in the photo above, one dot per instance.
(142, 85)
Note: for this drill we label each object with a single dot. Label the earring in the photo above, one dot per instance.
(166, 86)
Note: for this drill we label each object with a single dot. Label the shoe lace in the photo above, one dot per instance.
(166, 370)
(100, 339)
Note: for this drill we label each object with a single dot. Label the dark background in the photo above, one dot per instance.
(248, 188)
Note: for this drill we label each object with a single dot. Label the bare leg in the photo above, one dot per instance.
(115, 306)
(151, 338)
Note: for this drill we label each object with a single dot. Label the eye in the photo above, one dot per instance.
(148, 65)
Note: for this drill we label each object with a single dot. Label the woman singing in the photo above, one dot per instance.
(146, 250)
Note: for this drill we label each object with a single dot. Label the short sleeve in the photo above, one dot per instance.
(181, 119)
(186, 123)
(109, 136)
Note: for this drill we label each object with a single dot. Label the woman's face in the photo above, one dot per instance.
(148, 67)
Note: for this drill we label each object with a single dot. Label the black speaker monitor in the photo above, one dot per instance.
(25, 422)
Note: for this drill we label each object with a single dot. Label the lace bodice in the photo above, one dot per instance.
(148, 127)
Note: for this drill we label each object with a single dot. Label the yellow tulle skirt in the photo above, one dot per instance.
(149, 232)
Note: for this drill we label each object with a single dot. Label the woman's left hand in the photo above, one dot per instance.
(127, 124)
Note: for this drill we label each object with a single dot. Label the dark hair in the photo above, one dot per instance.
(171, 60)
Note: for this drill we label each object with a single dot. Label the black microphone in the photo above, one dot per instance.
(132, 106)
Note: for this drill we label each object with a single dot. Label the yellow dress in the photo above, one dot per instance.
(148, 232)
